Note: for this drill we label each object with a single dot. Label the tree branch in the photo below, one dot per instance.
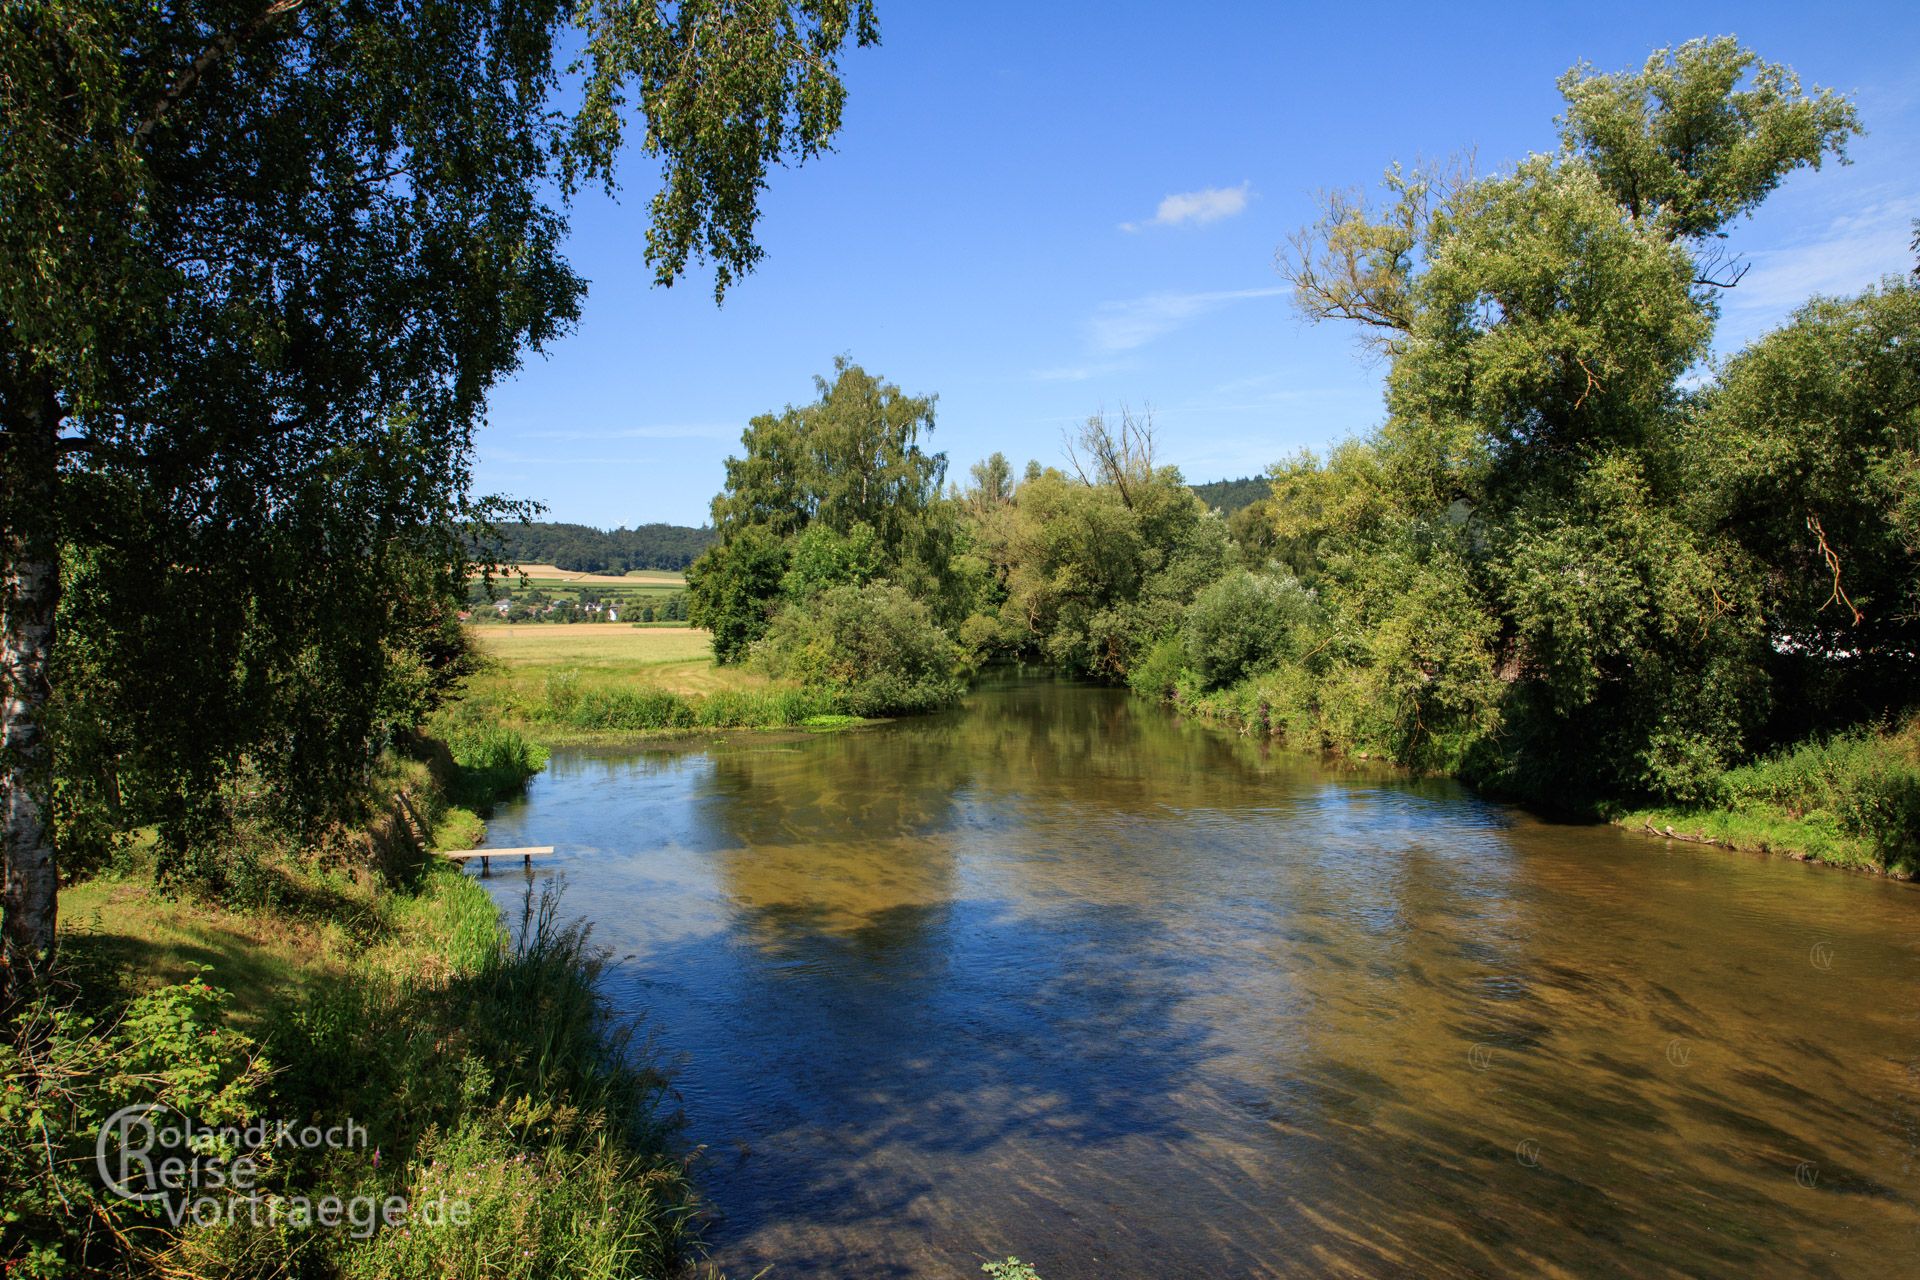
(223, 45)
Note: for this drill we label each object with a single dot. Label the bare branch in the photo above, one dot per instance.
(1355, 263)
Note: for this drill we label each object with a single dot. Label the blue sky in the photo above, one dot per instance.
(1039, 210)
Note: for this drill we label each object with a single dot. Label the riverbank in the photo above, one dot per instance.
(605, 685)
(365, 986)
(1851, 800)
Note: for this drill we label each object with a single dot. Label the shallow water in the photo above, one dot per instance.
(1059, 975)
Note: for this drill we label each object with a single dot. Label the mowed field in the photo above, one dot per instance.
(679, 659)
(544, 573)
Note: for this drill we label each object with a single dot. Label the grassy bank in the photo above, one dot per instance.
(1852, 800)
(379, 988)
(589, 683)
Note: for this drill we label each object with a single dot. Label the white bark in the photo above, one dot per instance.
(29, 892)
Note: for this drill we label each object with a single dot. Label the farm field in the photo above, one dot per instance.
(541, 585)
(546, 573)
(676, 659)
(592, 646)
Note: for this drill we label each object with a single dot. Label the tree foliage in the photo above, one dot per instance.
(837, 492)
(261, 262)
(580, 548)
(1555, 565)
(873, 644)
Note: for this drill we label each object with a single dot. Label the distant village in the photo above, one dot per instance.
(588, 604)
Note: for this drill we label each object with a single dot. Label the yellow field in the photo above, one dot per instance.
(635, 577)
(679, 659)
(590, 645)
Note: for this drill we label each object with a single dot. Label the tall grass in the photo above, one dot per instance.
(624, 707)
(503, 1083)
(1852, 799)
(480, 1060)
(492, 763)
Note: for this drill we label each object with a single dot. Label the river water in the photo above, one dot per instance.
(1059, 975)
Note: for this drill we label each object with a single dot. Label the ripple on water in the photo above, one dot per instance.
(1061, 976)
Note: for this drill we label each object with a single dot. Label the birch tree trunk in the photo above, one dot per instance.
(30, 565)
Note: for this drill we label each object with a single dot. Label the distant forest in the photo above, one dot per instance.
(582, 548)
(1229, 496)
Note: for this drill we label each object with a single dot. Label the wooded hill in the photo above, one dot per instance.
(581, 548)
(1229, 496)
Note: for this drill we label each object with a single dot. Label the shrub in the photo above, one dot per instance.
(1867, 783)
(63, 1072)
(1158, 673)
(875, 647)
(1243, 623)
(492, 762)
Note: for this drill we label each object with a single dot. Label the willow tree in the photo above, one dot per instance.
(1541, 326)
(260, 262)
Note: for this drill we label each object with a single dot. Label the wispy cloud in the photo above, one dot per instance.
(1134, 322)
(1078, 372)
(1853, 251)
(1196, 207)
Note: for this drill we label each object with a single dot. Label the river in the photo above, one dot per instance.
(1060, 975)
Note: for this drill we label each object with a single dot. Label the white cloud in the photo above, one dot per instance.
(1122, 326)
(1854, 252)
(1196, 207)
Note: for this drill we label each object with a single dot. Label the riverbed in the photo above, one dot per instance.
(1060, 975)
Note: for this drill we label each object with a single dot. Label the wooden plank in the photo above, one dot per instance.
(526, 854)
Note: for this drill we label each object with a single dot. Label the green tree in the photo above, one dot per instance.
(733, 589)
(1243, 623)
(1701, 134)
(1094, 572)
(1539, 325)
(847, 477)
(874, 645)
(992, 485)
(261, 261)
(1806, 455)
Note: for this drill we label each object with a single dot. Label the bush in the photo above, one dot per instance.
(876, 648)
(1243, 623)
(1868, 783)
(492, 763)
(63, 1072)
(1158, 674)
(625, 708)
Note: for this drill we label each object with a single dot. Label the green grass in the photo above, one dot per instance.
(483, 1068)
(1852, 800)
(1759, 829)
(459, 828)
(127, 937)
(597, 683)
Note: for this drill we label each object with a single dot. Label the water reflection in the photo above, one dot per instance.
(1060, 975)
